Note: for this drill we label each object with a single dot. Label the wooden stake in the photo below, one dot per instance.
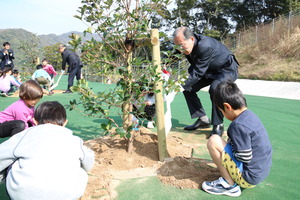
(127, 106)
(159, 103)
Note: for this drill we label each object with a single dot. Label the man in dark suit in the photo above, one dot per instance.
(74, 63)
(211, 63)
(6, 56)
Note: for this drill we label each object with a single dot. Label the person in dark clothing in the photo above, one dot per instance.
(211, 63)
(72, 59)
(6, 56)
(10, 128)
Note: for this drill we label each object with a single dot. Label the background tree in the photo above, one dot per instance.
(188, 13)
(31, 50)
(209, 17)
(216, 17)
(275, 8)
(249, 13)
(294, 5)
(53, 56)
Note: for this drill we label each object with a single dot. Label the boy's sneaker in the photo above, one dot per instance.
(221, 187)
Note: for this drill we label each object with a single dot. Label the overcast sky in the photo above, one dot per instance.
(41, 16)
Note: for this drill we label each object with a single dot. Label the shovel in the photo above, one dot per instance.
(56, 84)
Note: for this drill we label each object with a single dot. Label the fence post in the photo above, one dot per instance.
(289, 24)
(159, 103)
(273, 26)
(256, 34)
(239, 40)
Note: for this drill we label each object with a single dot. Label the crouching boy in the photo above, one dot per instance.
(46, 161)
(245, 160)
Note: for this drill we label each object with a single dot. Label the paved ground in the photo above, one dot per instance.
(279, 89)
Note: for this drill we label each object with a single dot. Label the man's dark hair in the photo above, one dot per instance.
(6, 43)
(228, 92)
(50, 112)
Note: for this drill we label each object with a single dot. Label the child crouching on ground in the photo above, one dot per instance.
(245, 160)
(47, 161)
(23, 109)
(6, 80)
(147, 104)
(43, 78)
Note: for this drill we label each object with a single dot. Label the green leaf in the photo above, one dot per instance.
(128, 135)
(104, 126)
(120, 131)
(89, 30)
(78, 17)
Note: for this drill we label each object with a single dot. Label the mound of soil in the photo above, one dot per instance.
(113, 163)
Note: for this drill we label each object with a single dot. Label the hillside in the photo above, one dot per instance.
(21, 37)
(275, 59)
(16, 36)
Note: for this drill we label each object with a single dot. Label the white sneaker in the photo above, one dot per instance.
(150, 124)
(221, 187)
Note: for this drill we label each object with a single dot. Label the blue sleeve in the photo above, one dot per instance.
(241, 143)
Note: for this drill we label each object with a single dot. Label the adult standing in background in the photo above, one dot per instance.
(6, 56)
(211, 63)
(74, 63)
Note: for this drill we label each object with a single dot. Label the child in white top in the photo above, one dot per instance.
(6, 80)
(47, 161)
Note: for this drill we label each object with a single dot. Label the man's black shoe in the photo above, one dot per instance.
(198, 124)
(67, 92)
(218, 129)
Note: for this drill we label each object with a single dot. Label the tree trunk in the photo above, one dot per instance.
(130, 144)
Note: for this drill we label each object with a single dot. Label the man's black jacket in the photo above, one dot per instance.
(210, 59)
(71, 58)
(10, 56)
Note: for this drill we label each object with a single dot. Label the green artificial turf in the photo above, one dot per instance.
(281, 118)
